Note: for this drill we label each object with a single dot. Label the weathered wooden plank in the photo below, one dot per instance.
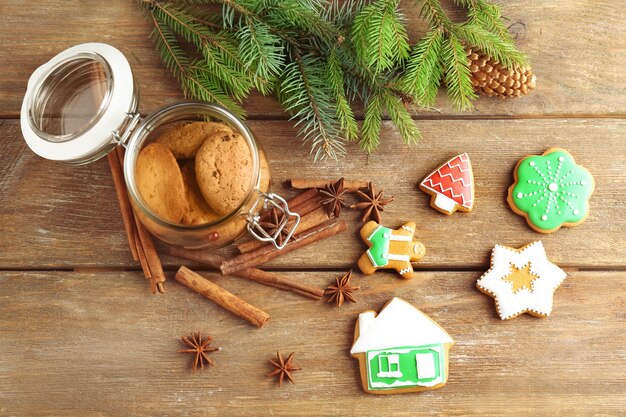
(578, 70)
(56, 216)
(100, 344)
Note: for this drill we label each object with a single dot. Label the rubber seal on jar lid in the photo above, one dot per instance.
(75, 101)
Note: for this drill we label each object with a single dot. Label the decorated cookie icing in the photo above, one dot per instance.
(400, 350)
(390, 249)
(521, 280)
(451, 186)
(551, 191)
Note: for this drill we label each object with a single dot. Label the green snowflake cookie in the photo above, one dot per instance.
(551, 191)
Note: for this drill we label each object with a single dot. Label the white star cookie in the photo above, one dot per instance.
(521, 280)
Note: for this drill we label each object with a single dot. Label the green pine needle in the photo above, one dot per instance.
(489, 16)
(379, 34)
(423, 73)
(343, 111)
(458, 75)
(370, 130)
(492, 44)
(305, 94)
(262, 52)
(434, 14)
(401, 118)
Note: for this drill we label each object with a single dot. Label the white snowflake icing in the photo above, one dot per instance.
(537, 300)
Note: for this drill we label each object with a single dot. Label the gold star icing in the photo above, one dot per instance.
(521, 280)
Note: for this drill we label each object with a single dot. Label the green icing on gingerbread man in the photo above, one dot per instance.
(551, 191)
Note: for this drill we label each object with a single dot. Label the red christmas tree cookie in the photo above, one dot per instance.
(451, 186)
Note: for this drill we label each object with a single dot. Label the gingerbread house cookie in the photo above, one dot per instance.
(400, 350)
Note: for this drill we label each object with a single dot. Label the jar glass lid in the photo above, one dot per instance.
(75, 102)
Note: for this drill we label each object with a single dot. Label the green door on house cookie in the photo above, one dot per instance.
(403, 367)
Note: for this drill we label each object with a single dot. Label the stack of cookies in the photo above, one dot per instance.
(195, 173)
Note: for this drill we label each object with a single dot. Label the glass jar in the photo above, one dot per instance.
(83, 102)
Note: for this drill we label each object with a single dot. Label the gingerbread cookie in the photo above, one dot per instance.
(185, 140)
(224, 171)
(521, 281)
(551, 191)
(451, 186)
(198, 211)
(400, 350)
(160, 182)
(390, 249)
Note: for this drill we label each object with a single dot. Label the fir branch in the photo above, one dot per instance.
(434, 13)
(401, 118)
(343, 111)
(195, 83)
(370, 130)
(342, 13)
(304, 15)
(304, 94)
(457, 73)
(489, 16)
(422, 75)
(222, 60)
(379, 35)
(261, 51)
(492, 44)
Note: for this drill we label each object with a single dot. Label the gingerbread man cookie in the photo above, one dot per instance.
(390, 249)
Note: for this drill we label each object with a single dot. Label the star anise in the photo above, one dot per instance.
(342, 290)
(200, 348)
(334, 195)
(283, 368)
(371, 203)
(272, 224)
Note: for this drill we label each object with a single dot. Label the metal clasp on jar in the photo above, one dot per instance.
(279, 203)
(122, 135)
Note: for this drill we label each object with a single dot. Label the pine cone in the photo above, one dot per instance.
(490, 78)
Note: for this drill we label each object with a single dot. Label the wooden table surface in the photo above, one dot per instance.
(80, 333)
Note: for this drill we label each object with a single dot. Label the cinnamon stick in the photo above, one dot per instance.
(266, 278)
(221, 297)
(307, 206)
(300, 183)
(142, 256)
(156, 276)
(268, 252)
(307, 221)
(122, 198)
(302, 204)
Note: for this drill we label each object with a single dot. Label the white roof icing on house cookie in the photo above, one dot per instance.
(398, 324)
(535, 292)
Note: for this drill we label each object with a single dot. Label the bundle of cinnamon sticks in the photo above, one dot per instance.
(139, 239)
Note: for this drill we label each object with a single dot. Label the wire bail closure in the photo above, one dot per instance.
(122, 135)
(279, 203)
